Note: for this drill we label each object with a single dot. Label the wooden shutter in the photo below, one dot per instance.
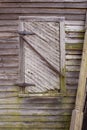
(41, 52)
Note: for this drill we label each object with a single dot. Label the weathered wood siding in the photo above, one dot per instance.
(38, 113)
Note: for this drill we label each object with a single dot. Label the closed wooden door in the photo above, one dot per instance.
(42, 53)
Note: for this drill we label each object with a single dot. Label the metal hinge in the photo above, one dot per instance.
(25, 33)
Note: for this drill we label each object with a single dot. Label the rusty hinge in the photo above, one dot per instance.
(24, 85)
(25, 33)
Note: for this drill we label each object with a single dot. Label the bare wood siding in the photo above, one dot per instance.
(38, 113)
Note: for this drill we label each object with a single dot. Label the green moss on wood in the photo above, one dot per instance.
(81, 35)
(63, 82)
(73, 46)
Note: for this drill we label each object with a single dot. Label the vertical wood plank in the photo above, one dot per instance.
(21, 55)
(62, 44)
(62, 55)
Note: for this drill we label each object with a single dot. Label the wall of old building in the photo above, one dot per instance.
(38, 113)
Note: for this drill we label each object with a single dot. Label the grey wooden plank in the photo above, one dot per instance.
(44, 4)
(9, 52)
(5, 45)
(15, 22)
(73, 52)
(34, 112)
(21, 68)
(77, 57)
(73, 62)
(41, 18)
(41, 10)
(77, 28)
(68, 16)
(8, 70)
(10, 128)
(72, 81)
(34, 118)
(72, 68)
(37, 100)
(33, 125)
(62, 55)
(62, 44)
(36, 106)
(8, 29)
(72, 74)
(79, 35)
(44, 1)
(8, 88)
(8, 22)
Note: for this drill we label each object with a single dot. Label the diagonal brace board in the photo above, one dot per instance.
(51, 66)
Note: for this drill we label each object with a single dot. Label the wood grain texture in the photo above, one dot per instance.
(77, 114)
(10, 105)
(44, 4)
(17, 1)
(41, 10)
(37, 70)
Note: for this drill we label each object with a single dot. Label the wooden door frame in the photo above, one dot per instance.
(21, 81)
